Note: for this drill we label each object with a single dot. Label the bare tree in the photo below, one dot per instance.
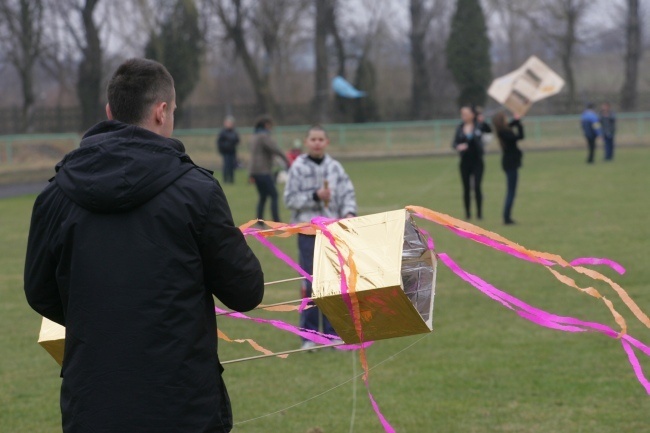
(85, 34)
(89, 79)
(324, 12)
(508, 30)
(257, 31)
(632, 55)
(22, 38)
(558, 22)
(422, 12)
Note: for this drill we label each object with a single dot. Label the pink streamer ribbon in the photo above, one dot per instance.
(280, 254)
(307, 334)
(548, 320)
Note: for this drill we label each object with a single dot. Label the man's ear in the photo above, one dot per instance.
(160, 113)
(109, 114)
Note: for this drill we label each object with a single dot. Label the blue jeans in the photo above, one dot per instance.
(229, 165)
(266, 188)
(511, 181)
(310, 318)
(609, 147)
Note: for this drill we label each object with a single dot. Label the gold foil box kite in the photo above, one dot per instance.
(52, 339)
(532, 82)
(395, 282)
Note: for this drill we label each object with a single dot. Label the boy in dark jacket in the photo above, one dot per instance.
(128, 244)
(227, 147)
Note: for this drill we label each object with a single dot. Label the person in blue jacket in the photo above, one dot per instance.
(591, 129)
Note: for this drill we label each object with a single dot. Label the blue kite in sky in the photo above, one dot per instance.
(344, 89)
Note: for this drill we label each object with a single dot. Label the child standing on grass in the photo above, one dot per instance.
(317, 185)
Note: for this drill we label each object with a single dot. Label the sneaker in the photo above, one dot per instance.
(306, 345)
(336, 342)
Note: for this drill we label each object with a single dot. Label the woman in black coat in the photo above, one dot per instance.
(511, 156)
(468, 141)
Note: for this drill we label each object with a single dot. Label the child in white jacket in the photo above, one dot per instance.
(317, 185)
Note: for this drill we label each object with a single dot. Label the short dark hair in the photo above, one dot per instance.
(135, 86)
(262, 121)
(317, 127)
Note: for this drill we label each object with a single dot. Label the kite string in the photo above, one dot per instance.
(354, 377)
(354, 392)
(349, 296)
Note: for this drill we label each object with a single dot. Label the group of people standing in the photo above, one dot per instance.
(316, 185)
(469, 141)
(596, 125)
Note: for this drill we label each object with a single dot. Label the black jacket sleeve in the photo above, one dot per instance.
(458, 137)
(520, 128)
(231, 270)
(485, 128)
(40, 284)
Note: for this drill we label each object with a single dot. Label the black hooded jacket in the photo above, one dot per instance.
(127, 246)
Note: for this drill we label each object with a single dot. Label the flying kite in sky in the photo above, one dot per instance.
(521, 88)
(344, 89)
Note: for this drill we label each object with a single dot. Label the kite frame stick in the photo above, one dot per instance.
(286, 352)
(263, 306)
(270, 283)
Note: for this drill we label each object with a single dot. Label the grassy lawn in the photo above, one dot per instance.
(483, 369)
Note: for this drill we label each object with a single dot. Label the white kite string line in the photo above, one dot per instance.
(334, 387)
(354, 390)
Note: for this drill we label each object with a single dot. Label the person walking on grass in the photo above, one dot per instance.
(511, 156)
(127, 246)
(263, 151)
(227, 147)
(317, 185)
(468, 142)
(590, 125)
(608, 125)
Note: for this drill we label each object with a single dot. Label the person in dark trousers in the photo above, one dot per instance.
(469, 144)
(227, 147)
(317, 185)
(510, 157)
(608, 127)
(263, 151)
(591, 130)
(128, 244)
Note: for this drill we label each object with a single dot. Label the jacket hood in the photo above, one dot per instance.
(119, 167)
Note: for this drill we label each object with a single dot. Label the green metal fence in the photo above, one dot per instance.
(354, 140)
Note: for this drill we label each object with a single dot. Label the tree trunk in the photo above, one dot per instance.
(566, 56)
(90, 69)
(22, 23)
(263, 95)
(321, 88)
(632, 56)
(27, 82)
(420, 86)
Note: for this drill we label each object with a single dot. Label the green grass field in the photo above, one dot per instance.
(483, 369)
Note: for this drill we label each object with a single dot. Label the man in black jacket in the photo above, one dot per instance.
(127, 246)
